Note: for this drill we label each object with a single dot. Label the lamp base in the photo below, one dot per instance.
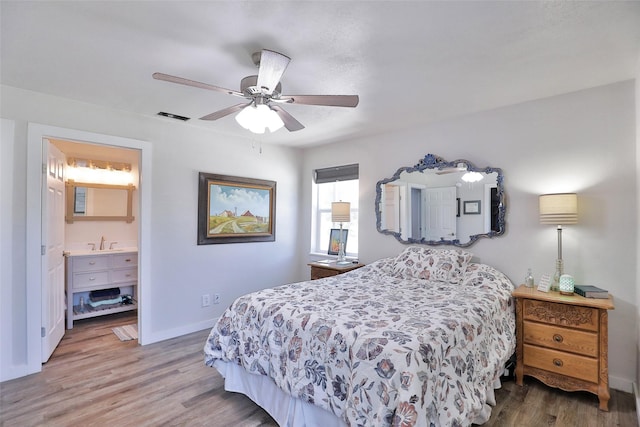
(555, 285)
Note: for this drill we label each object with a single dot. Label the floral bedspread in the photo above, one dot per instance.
(376, 349)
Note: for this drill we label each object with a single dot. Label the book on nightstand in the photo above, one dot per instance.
(591, 291)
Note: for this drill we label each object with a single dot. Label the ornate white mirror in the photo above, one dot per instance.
(437, 202)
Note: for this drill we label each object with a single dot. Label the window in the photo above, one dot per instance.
(333, 185)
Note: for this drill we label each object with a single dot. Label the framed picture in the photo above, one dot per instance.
(472, 207)
(235, 210)
(334, 240)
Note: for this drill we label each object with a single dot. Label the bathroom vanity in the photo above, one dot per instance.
(98, 270)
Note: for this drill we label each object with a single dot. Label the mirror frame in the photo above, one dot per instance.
(431, 161)
(70, 187)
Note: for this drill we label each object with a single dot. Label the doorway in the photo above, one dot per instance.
(35, 216)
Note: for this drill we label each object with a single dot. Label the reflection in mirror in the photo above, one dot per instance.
(98, 202)
(437, 202)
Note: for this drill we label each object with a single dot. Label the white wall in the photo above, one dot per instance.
(582, 142)
(181, 271)
(6, 239)
(638, 239)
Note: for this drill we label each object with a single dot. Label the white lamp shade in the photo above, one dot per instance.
(340, 211)
(558, 208)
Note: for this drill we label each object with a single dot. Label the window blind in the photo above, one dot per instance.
(336, 173)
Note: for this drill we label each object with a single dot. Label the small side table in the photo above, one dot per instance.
(562, 341)
(328, 269)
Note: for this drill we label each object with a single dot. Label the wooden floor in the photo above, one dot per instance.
(94, 379)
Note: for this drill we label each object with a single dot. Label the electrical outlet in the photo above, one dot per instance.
(216, 298)
(206, 300)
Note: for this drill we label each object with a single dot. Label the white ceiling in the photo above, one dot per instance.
(410, 62)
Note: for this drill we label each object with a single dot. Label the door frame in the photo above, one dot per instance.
(36, 133)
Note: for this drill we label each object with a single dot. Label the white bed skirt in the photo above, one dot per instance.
(288, 411)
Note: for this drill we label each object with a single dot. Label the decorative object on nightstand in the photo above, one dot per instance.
(566, 284)
(341, 212)
(321, 269)
(528, 280)
(591, 291)
(563, 341)
(559, 209)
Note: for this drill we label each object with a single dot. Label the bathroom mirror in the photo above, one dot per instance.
(437, 202)
(98, 202)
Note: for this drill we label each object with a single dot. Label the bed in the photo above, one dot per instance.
(418, 339)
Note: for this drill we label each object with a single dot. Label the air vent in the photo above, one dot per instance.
(173, 116)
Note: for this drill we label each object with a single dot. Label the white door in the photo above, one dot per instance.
(53, 310)
(440, 212)
(391, 210)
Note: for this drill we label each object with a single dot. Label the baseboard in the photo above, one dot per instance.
(622, 384)
(178, 332)
(13, 372)
(637, 396)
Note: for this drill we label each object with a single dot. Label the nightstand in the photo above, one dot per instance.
(328, 269)
(562, 341)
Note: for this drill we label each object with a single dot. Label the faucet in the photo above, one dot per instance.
(102, 243)
(111, 245)
(93, 246)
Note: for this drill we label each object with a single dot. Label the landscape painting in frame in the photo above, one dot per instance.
(234, 210)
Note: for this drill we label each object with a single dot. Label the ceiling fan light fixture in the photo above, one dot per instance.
(258, 118)
(472, 177)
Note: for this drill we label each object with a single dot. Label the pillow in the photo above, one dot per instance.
(445, 265)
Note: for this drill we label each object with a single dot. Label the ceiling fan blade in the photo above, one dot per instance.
(290, 122)
(225, 112)
(272, 66)
(328, 100)
(187, 82)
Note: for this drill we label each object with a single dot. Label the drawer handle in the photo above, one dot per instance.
(127, 260)
(92, 262)
(557, 362)
(92, 278)
(127, 275)
(558, 338)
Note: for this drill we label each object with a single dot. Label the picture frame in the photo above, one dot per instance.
(472, 207)
(334, 240)
(234, 209)
(545, 283)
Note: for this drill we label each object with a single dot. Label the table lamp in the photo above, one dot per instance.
(559, 209)
(341, 212)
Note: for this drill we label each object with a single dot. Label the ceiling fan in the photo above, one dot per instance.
(264, 91)
(460, 167)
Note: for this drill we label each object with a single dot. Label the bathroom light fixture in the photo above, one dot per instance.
(558, 209)
(341, 212)
(259, 117)
(99, 171)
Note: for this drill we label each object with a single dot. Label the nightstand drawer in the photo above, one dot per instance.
(574, 316)
(563, 339)
(319, 273)
(571, 365)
